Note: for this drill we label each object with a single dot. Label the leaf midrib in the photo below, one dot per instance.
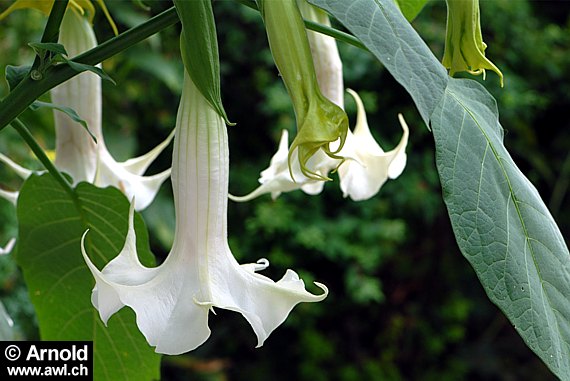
(520, 217)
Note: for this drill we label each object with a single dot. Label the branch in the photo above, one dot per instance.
(29, 90)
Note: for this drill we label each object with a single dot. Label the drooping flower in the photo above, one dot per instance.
(77, 153)
(464, 46)
(319, 121)
(368, 167)
(284, 176)
(365, 167)
(172, 301)
(363, 172)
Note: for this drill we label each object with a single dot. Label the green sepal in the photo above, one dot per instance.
(464, 46)
(319, 121)
(199, 49)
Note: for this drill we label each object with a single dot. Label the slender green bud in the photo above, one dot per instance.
(464, 46)
(199, 48)
(319, 121)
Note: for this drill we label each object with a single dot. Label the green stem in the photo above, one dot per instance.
(51, 31)
(42, 157)
(29, 90)
(335, 33)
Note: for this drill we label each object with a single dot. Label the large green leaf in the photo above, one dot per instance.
(380, 26)
(59, 282)
(501, 224)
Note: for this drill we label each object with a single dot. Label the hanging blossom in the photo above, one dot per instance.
(464, 46)
(320, 122)
(365, 166)
(77, 153)
(172, 301)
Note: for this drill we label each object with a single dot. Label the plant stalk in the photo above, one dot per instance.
(42, 157)
(29, 90)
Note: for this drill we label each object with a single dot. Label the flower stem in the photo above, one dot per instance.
(29, 90)
(42, 157)
(335, 33)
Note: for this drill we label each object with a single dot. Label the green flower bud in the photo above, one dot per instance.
(464, 46)
(319, 121)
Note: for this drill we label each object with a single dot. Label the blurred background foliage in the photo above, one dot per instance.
(403, 302)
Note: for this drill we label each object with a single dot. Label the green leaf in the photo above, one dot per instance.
(59, 282)
(68, 111)
(41, 47)
(199, 49)
(501, 224)
(80, 67)
(382, 28)
(411, 8)
(15, 75)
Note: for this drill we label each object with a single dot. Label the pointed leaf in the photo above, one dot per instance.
(41, 47)
(66, 110)
(501, 224)
(80, 67)
(59, 282)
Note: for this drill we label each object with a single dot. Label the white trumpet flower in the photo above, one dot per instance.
(76, 152)
(172, 301)
(366, 166)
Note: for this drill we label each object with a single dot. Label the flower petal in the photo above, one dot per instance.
(265, 304)
(24, 173)
(162, 297)
(172, 301)
(362, 176)
(142, 188)
(138, 165)
(9, 196)
(277, 179)
(8, 248)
